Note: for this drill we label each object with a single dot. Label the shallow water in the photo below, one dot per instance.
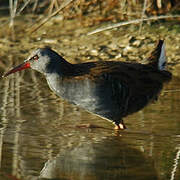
(39, 137)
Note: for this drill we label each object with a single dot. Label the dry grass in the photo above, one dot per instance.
(93, 12)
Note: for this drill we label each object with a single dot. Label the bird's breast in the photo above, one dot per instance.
(81, 93)
(97, 97)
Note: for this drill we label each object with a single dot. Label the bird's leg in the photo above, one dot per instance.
(120, 126)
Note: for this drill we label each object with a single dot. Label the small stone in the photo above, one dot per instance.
(82, 47)
(136, 43)
(118, 56)
(113, 46)
(38, 38)
(127, 49)
(50, 41)
(94, 52)
(140, 37)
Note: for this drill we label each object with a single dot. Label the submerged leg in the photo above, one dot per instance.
(120, 126)
(88, 126)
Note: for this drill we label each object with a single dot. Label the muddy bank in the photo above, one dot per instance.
(70, 39)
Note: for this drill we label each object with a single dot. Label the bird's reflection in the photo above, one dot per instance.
(109, 159)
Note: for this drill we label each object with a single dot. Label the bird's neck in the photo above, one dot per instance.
(59, 67)
(54, 81)
(55, 73)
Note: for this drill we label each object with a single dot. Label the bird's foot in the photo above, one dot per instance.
(120, 126)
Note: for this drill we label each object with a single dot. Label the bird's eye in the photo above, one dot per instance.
(35, 57)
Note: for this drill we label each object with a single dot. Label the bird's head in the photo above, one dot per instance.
(44, 60)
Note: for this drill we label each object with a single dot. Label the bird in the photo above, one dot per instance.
(109, 89)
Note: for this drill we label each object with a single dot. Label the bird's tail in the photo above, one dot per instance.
(157, 58)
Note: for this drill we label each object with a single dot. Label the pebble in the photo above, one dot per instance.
(94, 52)
(113, 46)
(119, 55)
(50, 41)
(128, 49)
(136, 43)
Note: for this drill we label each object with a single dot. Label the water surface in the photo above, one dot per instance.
(39, 138)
